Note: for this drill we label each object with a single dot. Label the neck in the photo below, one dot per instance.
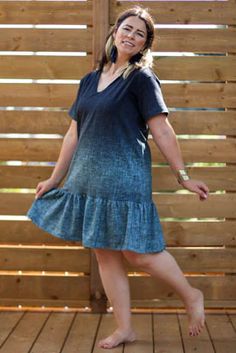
(121, 63)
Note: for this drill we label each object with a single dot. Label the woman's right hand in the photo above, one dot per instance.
(44, 186)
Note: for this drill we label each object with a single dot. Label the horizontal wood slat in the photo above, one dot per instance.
(216, 95)
(191, 40)
(196, 150)
(44, 67)
(37, 288)
(217, 178)
(176, 303)
(213, 287)
(58, 290)
(45, 12)
(33, 39)
(190, 206)
(183, 12)
(202, 260)
(205, 68)
(34, 122)
(169, 205)
(59, 260)
(75, 12)
(195, 40)
(183, 122)
(185, 233)
(204, 122)
(193, 150)
(198, 233)
(78, 260)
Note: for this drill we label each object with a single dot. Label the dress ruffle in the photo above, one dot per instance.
(99, 222)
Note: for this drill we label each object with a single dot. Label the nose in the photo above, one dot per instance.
(130, 34)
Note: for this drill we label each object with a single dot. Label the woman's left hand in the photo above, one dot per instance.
(198, 187)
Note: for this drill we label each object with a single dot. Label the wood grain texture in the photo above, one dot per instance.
(35, 39)
(57, 122)
(193, 150)
(199, 68)
(187, 95)
(45, 12)
(193, 40)
(198, 260)
(205, 68)
(213, 287)
(51, 259)
(44, 67)
(176, 233)
(39, 288)
(217, 178)
(168, 205)
(176, 12)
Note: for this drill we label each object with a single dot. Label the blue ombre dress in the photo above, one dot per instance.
(106, 200)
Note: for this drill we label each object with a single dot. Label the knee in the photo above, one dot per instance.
(107, 257)
(136, 259)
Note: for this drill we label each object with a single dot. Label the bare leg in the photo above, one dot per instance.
(116, 286)
(163, 266)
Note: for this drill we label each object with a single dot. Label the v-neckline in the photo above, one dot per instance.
(97, 82)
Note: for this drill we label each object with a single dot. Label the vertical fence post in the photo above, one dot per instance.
(101, 23)
(98, 300)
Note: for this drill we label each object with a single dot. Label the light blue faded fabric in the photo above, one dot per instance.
(106, 200)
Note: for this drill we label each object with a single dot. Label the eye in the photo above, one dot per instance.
(141, 35)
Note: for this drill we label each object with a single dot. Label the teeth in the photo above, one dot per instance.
(130, 44)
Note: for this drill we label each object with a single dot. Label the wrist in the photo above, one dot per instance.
(55, 181)
(182, 175)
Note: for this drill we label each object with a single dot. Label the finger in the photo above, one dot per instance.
(39, 193)
(204, 188)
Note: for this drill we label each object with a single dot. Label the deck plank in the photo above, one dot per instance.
(142, 324)
(222, 333)
(7, 323)
(107, 326)
(167, 337)
(70, 332)
(192, 344)
(233, 320)
(53, 334)
(82, 334)
(25, 332)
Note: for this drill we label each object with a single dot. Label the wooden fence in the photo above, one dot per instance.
(37, 269)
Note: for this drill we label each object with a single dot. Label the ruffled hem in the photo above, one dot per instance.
(98, 222)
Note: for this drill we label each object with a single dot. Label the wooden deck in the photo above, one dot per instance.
(75, 332)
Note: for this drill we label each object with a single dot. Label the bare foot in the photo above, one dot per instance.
(195, 311)
(116, 338)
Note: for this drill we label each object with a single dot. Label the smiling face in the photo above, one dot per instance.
(130, 37)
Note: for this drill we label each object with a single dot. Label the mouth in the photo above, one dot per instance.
(128, 43)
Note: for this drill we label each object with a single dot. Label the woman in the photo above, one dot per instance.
(106, 201)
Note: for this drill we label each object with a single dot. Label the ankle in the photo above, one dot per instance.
(193, 294)
(124, 328)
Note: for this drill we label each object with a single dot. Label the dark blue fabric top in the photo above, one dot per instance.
(133, 100)
(113, 158)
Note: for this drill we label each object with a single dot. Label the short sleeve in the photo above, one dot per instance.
(73, 111)
(150, 98)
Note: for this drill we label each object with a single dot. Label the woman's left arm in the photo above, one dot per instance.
(165, 138)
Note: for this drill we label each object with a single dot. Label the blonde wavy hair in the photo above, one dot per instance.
(147, 59)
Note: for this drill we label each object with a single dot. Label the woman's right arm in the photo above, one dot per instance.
(66, 153)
